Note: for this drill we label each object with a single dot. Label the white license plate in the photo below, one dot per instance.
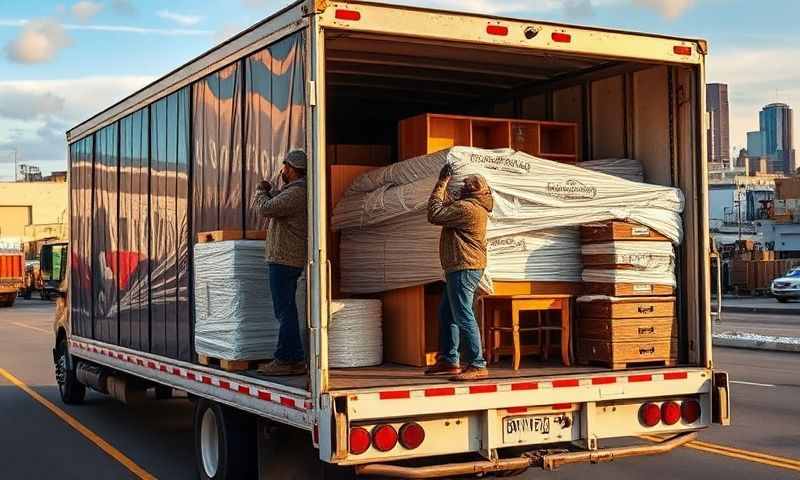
(528, 429)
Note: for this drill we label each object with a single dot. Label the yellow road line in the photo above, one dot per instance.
(31, 327)
(756, 457)
(72, 422)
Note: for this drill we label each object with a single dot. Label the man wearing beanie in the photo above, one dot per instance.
(462, 251)
(287, 241)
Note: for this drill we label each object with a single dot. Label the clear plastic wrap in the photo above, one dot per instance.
(355, 336)
(233, 304)
(626, 168)
(383, 216)
(641, 255)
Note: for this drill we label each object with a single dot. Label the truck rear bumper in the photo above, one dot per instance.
(545, 460)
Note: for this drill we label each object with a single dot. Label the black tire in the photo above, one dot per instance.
(235, 450)
(72, 391)
(26, 294)
(782, 300)
(44, 294)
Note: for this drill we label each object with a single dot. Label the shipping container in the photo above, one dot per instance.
(185, 154)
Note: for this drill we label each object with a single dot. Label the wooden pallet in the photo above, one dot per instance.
(224, 235)
(228, 365)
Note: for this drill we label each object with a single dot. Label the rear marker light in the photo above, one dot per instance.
(670, 413)
(561, 37)
(499, 30)
(411, 435)
(359, 440)
(649, 414)
(681, 50)
(384, 438)
(348, 15)
(690, 411)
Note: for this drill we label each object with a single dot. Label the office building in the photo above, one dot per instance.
(774, 139)
(719, 123)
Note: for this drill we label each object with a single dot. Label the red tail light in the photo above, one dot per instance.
(351, 15)
(690, 411)
(649, 414)
(411, 435)
(670, 413)
(384, 438)
(359, 440)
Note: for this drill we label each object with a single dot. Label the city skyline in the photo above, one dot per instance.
(717, 105)
(64, 61)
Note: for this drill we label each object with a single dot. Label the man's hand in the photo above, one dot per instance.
(265, 186)
(446, 172)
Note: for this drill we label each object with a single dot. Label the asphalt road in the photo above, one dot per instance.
(157, 436)
(777, 325)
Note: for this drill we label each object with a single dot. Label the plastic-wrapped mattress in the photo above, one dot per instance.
(355, 337)
(386, 242)
(233, 305)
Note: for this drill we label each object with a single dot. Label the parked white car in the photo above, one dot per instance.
(788, 286)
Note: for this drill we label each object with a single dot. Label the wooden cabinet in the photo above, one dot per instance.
(432, 132)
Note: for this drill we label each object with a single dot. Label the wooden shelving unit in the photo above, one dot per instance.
(410, 316)
(431, 132)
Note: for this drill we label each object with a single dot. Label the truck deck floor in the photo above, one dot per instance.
(393, 375)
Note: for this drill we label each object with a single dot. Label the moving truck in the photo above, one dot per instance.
(12, 268)
(184, 155)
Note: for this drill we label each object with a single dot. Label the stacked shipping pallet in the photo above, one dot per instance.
(627, 324)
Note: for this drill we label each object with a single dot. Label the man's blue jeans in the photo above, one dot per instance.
(457, 321)
(283, 285)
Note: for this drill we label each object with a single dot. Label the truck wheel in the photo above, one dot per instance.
(72, 391)
(26, 294)
(44, 294)
(225, 442)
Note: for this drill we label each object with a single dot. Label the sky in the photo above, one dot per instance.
(63, 61)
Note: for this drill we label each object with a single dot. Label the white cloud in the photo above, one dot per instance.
(39, 41)
(668, 8)
(56, 106)
(21, 22)
(85, 10)
(180, 18)
(751, 85)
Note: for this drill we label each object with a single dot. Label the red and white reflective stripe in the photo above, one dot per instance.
(559, 383)
(279, 398)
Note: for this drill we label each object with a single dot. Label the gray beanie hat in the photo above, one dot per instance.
(296, 159)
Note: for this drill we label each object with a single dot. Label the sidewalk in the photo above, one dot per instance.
(768, 305)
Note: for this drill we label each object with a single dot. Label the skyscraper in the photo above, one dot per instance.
(775, 121)
(774, 139)
(719, 129)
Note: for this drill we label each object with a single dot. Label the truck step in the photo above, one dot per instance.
(228, 365)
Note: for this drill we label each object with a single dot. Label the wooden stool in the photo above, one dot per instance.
(494, 305)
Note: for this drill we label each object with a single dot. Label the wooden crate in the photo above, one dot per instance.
(628, 329)
(225, 235)
(634, 307)
(626, 289)
(618, 230)
(621, 355)
(228, 365)
(605, 262)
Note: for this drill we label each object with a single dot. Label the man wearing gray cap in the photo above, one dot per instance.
(287, 240)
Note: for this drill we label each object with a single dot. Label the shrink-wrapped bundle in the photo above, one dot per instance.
(626, 168)
(234, 316)
(355, 337)
(386, 242)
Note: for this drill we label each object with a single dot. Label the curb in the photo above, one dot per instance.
(756, 344)
(765, 310)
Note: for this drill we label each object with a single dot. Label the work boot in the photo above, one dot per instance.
(471, 373)
(280, 368)
(443, 368)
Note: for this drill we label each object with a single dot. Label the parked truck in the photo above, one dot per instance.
(184, 155)
(44, 275)
(12, 265)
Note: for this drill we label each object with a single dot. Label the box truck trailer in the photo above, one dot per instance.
(185, 154)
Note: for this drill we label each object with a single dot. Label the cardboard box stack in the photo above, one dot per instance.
(627, 316)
